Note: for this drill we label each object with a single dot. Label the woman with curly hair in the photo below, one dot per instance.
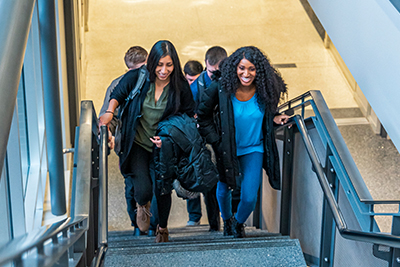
(237, 116)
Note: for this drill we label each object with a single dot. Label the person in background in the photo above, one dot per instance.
(164, 93)
(213, 57)
(134, 58)
(246, 96)
(192, 70)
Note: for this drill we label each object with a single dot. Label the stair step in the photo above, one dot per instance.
(196, 246)
(149, 242)
(238, 252)
(126, 238)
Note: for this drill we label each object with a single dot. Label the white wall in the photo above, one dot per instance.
(367, 35)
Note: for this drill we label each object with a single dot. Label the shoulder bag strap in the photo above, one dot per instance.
(136, 89)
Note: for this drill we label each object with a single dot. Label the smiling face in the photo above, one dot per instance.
(246, 72)
(164, 68)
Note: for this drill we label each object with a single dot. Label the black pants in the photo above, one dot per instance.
(212, 208)
(164, 207)
(138, 184)
(164, 201)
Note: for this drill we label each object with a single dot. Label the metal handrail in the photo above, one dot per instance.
(377, 238)
(72, 228)
(323, 114)
(103, 198)
(36, 238)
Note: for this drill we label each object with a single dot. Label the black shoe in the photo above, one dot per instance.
(228, 226)
(214, 227)
(238, 229)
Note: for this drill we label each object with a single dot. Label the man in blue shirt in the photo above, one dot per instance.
(214, 56)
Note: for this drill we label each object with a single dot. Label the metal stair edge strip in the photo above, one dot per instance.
(149, 241)
(184, 247)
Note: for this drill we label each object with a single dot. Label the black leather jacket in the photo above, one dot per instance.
(181, 143)
(220, 132)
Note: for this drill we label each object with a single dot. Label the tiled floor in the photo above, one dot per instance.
(281, 29)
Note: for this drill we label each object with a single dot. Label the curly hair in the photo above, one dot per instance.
(270, 87)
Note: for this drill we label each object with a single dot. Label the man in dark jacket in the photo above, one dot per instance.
(214, 56)
(134, 58)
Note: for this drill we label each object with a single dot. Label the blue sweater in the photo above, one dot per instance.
(248, 126)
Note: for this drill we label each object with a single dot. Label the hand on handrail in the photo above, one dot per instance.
(281, 119)
(111, 138)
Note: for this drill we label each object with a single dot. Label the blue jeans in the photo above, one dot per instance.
(251, 167)
(194, 209)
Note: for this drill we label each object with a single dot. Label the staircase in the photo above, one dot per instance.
(196, 246)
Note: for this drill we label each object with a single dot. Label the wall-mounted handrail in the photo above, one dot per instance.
(376, 238)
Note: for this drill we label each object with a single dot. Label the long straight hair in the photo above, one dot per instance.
(159, 50)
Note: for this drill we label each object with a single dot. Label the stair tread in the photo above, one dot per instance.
(184, 240)
(185, 235)
(266, 252)
(196, 246)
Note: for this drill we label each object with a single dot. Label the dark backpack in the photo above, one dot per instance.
(118, 121)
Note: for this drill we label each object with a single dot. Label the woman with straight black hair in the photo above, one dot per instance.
(164, 93)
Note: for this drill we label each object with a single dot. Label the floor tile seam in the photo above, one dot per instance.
(316, 65)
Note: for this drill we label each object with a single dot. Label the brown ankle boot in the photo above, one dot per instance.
(143, 216)
(161, 235)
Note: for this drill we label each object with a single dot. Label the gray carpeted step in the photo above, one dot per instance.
(196, 234)
(195, 246)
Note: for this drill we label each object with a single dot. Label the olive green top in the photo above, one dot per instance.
(151, 115)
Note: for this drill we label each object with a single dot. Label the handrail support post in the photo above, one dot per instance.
(328, 230)
(395, 251)
(287, 181)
